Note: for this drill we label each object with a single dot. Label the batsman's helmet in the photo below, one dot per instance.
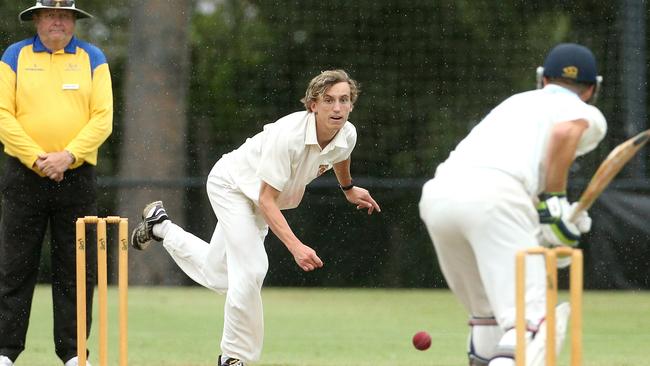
(571, 61)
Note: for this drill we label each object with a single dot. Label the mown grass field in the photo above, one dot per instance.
(174, 326)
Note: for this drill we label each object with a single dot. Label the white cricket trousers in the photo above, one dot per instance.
(478, 219)
(234, 262)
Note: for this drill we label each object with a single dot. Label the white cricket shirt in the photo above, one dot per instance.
(513, 137)
(286, 155)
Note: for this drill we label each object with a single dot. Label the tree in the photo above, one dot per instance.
(153, 157)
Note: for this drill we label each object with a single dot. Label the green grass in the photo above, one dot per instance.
(331, 327)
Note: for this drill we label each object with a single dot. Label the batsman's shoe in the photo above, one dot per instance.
(74, 361)
(142, 236)
(5, 361)
(230, 362)
(536, 349)
(501, 361)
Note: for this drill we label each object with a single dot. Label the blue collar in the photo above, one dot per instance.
(40, 47)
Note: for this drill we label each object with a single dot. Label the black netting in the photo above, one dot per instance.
(429, 70)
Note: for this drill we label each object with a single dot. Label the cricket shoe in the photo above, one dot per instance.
(5, 361)
(502, 361)
(74, 361)
(230, 362)
(142, 236)
(536, 349)
(536, 342)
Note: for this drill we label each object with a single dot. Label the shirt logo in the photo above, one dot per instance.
(71, 67)
(570, 72)
(322, 169)
(34, 67)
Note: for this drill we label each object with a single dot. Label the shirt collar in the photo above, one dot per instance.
(312, 139)
(554, 88)
(40, 47)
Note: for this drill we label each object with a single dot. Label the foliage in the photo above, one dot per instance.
(229, 54)
(429, 71)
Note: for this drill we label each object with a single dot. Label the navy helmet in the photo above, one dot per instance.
(571, 61)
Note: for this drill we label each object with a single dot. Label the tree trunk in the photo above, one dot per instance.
(154, 154)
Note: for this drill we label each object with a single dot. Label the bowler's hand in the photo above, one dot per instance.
(54, 164)
(361, 197)
(306, 258)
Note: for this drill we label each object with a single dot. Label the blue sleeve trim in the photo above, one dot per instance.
(10, 56)
(95, 54)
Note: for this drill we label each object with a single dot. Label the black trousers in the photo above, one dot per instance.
(29, 204)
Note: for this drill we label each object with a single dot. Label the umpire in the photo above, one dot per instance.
(56, 109)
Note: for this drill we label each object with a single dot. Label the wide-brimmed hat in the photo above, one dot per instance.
(26, 15)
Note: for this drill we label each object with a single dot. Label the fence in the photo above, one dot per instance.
(429, 71)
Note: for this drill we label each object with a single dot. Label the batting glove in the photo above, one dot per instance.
(582, 221)
(554, 212)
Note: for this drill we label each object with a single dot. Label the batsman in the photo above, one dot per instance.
(503, 189)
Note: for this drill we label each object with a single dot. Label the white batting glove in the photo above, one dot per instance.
(554, 212)
(582, 221)
(563, 262)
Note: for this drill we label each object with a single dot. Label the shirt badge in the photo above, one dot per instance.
(322, 169)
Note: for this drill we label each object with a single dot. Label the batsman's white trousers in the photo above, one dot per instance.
(478, 219)
(234, 262)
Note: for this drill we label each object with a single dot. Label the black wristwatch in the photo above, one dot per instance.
(348, 187)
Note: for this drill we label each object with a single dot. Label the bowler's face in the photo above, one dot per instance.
(55, 26)
(333, 107)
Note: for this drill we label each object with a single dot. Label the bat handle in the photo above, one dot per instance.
(578, 208)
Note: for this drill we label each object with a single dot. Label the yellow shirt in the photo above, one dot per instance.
(51, 102)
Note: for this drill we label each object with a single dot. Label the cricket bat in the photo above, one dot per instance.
(608, 169)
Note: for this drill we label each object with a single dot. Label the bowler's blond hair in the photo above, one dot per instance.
(322, 82)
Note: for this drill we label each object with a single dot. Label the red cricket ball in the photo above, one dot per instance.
(422, 340)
